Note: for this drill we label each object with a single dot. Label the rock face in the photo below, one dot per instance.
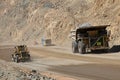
(29, 20)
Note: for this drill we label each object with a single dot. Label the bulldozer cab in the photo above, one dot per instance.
(21, 48)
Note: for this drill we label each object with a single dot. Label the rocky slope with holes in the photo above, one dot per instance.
(26, 21)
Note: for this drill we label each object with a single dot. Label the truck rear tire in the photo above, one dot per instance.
(81, 47)
(74, 47)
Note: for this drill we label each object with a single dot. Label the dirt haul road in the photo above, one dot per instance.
(77, 67)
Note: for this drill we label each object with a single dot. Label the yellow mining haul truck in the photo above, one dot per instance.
(90, 38)
(21, 53)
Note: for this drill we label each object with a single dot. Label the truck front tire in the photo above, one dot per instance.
(81, 47)
(74, 47)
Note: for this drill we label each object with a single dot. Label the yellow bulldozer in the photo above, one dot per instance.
(21, 53)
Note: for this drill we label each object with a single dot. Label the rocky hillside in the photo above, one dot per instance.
(29, 20)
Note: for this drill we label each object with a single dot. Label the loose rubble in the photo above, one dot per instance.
(33, 75)
(21, 75)
(8, 72)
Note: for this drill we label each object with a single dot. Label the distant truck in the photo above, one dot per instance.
(46, 42)
(21, 53)
(90, 38)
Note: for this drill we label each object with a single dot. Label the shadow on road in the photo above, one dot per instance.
(114, 49)
(51, 45)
